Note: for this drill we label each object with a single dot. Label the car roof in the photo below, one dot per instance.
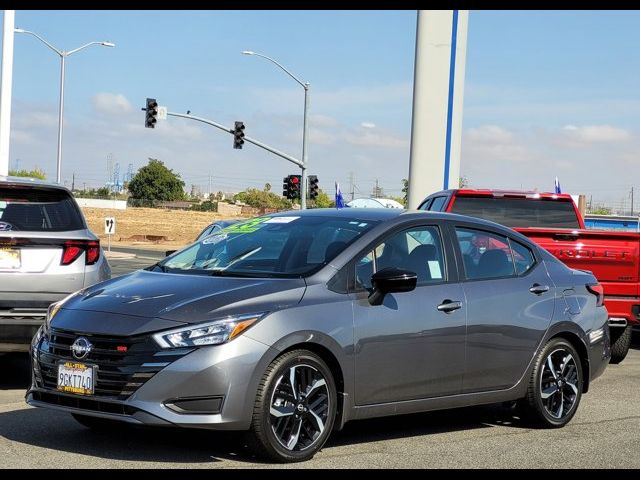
(359, 213)
(31, 182)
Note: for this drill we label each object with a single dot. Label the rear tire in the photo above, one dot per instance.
(97, 423)
(555, 386)
(295, 408)
(620, 343)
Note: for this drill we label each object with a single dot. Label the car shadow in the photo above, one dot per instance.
(59, 431)
(15, 371)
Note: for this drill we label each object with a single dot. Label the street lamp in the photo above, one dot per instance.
(305, 129)
(62, 55)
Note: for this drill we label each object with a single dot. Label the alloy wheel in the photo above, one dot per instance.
(299, 407)
(559, 383)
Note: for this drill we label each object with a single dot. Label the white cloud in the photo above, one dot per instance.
(367, 138)
(489, 134)
(111, 103)
(368, 125)
(33, 119)
(323, 121)
(595, 134)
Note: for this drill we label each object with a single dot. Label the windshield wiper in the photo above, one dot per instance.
(157, 265)
(242, 256)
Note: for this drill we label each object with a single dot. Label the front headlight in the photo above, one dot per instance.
(210, 333)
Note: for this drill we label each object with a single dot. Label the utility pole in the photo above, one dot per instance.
(73, 182)
(632, 201)
(209, 196)
(352, 185)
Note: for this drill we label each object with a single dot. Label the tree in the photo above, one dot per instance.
(156, 182)
(323, 200)
(35, 173)
(267, 187)
(405, 191)
(262, 199)
(601, 211)
(463, 181)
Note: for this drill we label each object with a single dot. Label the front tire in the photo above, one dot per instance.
(555, 386)
(620, 343)
(295, 408)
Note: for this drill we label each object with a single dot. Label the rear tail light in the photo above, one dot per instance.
(72, 249)
(598, 291)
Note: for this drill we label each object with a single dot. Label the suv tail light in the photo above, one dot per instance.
(72, 249)
(598, 291)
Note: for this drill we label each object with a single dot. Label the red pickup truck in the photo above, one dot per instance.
(554, 222)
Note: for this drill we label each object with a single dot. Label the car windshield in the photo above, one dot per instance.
(269, 246)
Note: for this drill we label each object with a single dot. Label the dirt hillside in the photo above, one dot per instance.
(178, 226)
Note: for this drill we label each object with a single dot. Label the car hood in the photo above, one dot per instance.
(187, 298)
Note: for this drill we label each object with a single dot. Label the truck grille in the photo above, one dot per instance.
(124, 363)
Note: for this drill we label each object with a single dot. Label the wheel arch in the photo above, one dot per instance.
(577, 343)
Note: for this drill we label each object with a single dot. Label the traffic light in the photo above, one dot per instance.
(152, 113)
(291, 186)
(238, 135)
(313, 187)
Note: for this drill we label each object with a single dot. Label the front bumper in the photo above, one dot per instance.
(226, 376)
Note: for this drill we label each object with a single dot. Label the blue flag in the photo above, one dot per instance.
(558, 190)
(339, 199)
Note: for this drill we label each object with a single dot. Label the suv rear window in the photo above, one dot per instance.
(519, 212)
(38, 210)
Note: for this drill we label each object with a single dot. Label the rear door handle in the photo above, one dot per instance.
(538, 289)
(448, 306)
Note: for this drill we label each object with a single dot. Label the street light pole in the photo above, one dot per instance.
(63, 55)
(305, 126)
(60, 121)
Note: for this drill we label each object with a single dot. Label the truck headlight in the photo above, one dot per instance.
(209, 333)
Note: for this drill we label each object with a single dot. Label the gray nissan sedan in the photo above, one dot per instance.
(287, 326)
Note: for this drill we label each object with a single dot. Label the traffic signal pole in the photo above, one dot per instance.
(255, 142)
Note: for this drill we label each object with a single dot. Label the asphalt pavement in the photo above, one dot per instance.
(605, 433)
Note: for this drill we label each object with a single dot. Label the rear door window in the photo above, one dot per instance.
(38, 210)
(485, 255)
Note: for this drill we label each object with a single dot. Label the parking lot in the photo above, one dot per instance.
(604, 433)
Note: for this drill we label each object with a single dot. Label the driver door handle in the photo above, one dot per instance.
(448, 306)
(538, 289)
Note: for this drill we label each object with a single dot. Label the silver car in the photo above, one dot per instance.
(46, 253)
(289, 325)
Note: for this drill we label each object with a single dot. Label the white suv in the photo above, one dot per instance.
(46, 252)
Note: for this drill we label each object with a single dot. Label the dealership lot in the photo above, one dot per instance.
(604, 433)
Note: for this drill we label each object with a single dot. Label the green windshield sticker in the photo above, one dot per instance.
(249, 226)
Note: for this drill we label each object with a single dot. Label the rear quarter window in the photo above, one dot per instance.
(38, 210)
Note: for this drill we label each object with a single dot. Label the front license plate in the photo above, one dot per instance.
(10, 258)
(76, 378)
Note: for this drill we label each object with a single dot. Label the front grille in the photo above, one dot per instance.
(119, 373)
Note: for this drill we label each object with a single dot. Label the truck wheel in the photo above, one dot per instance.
(555, 386)
(620, 343)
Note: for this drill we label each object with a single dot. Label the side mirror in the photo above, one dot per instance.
(169, 252)
(391, 280)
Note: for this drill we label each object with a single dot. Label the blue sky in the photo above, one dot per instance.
(547, 93)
